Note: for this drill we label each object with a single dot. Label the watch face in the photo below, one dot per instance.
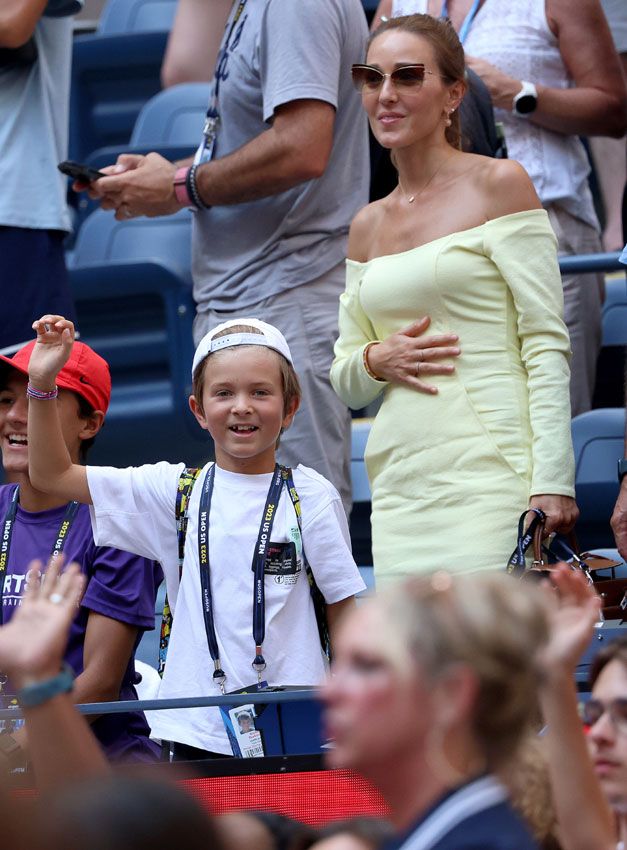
(526, 104)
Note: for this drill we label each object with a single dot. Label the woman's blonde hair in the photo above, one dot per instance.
(448, 50)
(489, 623)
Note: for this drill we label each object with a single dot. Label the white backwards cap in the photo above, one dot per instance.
(269, 337)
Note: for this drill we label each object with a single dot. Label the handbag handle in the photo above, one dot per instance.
(516, 564)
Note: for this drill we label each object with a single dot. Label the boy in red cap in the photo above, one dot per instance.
(118, 605)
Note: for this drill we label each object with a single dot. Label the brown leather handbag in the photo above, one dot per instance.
(546, 556)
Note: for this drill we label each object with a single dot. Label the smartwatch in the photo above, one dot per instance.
(526, 100)
(622, 469)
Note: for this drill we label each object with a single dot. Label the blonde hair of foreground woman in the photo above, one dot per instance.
(462, 647)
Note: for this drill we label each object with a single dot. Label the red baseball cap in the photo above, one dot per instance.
(85, 373)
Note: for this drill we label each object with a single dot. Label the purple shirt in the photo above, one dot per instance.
(119, 585)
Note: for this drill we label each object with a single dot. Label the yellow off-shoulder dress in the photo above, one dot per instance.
(450, 473)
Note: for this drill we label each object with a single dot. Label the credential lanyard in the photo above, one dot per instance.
(259, 562)
(465, 27)
(212, 118)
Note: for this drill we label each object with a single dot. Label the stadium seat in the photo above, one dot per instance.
(131, 285)
(598, 441)
(115, 71)
(167, 239)
(608, 391)
(126, 16)
(615, 311)
(170, 123)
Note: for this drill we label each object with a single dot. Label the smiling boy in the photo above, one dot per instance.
(118, 605)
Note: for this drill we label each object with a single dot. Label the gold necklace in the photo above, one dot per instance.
(411, 198)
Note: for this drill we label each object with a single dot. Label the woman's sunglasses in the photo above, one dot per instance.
(369, 78)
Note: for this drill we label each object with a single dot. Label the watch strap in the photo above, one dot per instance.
(527, 90)
(180, 186)
(33, 695)
(622, 469)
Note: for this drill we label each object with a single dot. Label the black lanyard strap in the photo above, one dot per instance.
(516, 563)
(259, 561)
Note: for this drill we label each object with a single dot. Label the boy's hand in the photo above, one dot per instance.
(55, 338)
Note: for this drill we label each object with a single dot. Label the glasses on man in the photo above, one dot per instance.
(593, 710)
(368, 78)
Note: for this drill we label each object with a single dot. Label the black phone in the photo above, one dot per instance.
(77, 171)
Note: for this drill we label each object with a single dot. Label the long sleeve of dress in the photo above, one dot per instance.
(348, 375)
(524, 251)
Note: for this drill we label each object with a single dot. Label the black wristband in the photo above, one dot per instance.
(192, 189)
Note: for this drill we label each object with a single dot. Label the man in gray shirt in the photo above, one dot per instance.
(288, 171)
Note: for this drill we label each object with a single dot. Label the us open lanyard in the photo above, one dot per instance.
(465, 27)
(212, 119)
(259, 562)
(5, 545)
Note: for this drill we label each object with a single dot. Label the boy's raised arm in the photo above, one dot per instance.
(50, 466)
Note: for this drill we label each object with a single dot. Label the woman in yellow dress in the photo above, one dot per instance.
(469, 433)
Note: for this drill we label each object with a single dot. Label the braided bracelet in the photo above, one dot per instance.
(192, 189)
(42, 395)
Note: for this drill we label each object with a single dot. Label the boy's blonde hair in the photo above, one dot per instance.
(289, 379)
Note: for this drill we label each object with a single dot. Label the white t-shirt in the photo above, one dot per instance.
(134, 509)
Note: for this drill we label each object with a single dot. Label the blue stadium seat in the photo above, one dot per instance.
(615, 311)
(170, 123)
(112, 77)
(131, 285)
(598, 440)
(126, 16)
(102, 239)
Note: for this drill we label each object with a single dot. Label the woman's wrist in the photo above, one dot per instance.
(367, 361)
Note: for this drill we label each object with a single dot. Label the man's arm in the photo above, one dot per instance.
(296, 148)
(18, 19)
(194, 41)
(619, 517)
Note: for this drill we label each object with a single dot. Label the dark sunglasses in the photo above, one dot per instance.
(369, 78)
(593, 710)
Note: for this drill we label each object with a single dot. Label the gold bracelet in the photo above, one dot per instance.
(369, 371)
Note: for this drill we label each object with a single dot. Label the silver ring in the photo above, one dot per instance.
(128, 213)
(418, 368)
(56, 598)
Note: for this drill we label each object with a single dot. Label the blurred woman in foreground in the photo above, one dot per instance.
(435, 683)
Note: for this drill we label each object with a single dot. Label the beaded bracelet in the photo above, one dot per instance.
(192, 189)
(369, 371)
(42, 395)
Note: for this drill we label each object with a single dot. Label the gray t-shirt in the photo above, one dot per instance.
(285, 50)
(34, 111)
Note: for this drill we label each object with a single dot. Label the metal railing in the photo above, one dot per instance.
(581, 263)
(116, 707)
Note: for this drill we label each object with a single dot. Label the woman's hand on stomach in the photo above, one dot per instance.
(408, 357)
(561, 511)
